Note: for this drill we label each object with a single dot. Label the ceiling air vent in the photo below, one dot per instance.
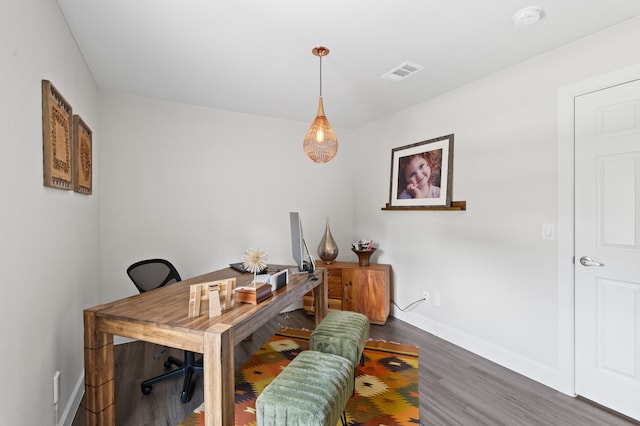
(402, 71)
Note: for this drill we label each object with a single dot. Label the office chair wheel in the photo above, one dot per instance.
(184, 397)
(146, 390)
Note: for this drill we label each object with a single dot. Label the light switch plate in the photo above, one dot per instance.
(548, 231)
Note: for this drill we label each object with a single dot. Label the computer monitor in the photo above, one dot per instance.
(301, 254)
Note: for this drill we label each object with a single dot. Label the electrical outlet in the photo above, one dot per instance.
(436, 300)
(426, 296)
(56, 387)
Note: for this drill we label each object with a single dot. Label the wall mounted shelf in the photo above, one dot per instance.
(455, 206)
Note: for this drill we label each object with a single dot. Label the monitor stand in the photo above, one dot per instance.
(309, 268)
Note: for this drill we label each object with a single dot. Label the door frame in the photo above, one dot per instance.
(566, 215)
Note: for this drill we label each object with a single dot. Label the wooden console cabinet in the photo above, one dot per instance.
(364, 289)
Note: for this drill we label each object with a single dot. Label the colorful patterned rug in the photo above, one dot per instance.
(386, 386)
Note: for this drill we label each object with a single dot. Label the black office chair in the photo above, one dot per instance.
(148, 275)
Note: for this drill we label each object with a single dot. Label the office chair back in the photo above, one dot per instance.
(148, 275)
(152, 273)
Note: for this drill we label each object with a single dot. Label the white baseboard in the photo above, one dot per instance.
(522, 365)
(424, 323)
(66, 419)
(73, 404)
(118, 340)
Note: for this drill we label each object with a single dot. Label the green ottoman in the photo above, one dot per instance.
(341, 333)
(312, 391)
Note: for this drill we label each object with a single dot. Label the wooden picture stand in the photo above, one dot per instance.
(219, 294)
(195, 295)
(214, 301)
(227, 290)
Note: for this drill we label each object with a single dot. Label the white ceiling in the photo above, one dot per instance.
(254, 56)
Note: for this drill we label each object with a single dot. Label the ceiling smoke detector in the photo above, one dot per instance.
(527, 16)
(402, 71)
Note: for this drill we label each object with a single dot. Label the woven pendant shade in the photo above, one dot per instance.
(320, 144)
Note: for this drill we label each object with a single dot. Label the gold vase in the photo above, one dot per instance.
(328, 249)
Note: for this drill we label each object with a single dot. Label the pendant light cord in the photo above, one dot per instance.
(321, 75)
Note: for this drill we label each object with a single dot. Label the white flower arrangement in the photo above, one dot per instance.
(255, 260)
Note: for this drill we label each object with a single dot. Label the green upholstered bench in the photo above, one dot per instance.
(342, 333)
(312, 390)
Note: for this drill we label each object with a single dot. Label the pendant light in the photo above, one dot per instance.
(320, 144)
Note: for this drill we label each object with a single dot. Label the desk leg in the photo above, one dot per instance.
(219, 376)
(321, 297)
(98, 374)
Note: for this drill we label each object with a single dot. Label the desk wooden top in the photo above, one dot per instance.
(161, 315)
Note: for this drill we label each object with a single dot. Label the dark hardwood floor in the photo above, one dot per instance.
(456, 386)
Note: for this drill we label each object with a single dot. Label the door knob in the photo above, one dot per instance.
(587, 261)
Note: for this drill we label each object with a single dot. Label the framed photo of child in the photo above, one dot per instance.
(421, 174)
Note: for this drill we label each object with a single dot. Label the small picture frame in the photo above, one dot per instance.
(82, 156)
(56, 138)
(279, 279)
(421, 174)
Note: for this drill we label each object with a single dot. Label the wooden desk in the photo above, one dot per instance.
(161, 316)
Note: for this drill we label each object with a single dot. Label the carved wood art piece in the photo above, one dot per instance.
(56, 138)
(82, 160)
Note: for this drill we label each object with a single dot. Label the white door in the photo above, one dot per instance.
(607, 247)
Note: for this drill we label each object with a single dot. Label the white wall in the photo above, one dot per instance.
(200, 186)
(496, 276)
(49, 237)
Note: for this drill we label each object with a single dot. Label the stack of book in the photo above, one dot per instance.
(254, 294)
